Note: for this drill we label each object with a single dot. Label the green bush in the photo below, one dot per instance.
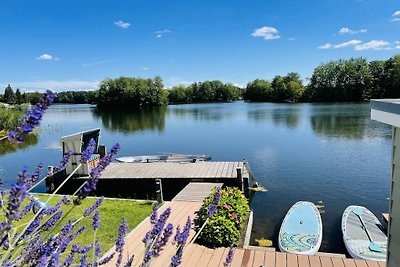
(224, 227)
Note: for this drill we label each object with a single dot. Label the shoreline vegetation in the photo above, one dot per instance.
(352, 80)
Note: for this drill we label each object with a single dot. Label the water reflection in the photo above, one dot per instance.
(288, 117)
(9, 147)
(202, 113)
(344, 121)
(149, 118)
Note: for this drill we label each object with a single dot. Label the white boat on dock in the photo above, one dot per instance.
(164, 158)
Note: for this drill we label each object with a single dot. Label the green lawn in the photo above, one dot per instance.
(111, 213)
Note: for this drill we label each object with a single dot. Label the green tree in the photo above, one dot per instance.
(258, 91)
(9, 95)
(18, 97)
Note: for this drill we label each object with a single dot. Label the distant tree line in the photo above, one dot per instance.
(76, 97)
(354, 79)
(208, 91)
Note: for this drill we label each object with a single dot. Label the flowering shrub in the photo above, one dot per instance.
(224, 213)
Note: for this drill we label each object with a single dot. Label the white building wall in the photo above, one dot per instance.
(394, 204)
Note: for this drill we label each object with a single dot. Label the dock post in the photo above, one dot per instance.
(159, 193)
(240, 178)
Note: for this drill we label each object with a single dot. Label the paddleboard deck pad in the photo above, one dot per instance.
(355, 236)
(301, 230)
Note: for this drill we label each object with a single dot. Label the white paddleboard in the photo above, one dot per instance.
(301, 229)
(355, 236)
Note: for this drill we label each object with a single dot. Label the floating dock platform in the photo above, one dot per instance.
(164, 179)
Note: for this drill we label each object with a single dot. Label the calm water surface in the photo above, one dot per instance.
(331, 153)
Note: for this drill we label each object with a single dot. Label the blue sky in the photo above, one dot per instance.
(75, 44)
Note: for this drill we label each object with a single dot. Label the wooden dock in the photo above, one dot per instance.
(176, 170)
(196, 192)
(199, 256)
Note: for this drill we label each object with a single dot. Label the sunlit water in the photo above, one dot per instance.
(331, 153)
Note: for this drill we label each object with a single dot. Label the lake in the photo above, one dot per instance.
(331, 153)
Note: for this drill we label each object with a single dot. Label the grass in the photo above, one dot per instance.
(111, 213)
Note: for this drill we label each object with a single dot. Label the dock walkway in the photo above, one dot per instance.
(196, 192)
(175, 170)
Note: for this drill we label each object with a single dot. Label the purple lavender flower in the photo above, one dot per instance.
(161, 242)
(31, 119)
(129, 261)
(36, 174)
(95, 173)
(176, 260)
(154, 215)
(61, 165)
(229, 257)
(122, 231)
(69, 260)
(87, 153)
(96, 221)
(22, 175)
(212, 208)
(54, 260)
(181, 238)
(157, 228)
(16, 196)
(95, 205)
(147, 258)
(83, 262)
(106, 260)
(80, 249)
(50, 223)
(26, 209)
(97, 249)
(66, 200)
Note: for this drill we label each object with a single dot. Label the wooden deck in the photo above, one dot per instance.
(175, 170)
(196, 192)
(199, 256)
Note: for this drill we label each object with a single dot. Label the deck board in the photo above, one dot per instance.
(237, 258)
(258, 258)
(326, 262)
(349, 263)
(291, 260)
(337, 262)
(269, 259)
(280, 259)
(216, 257)
(314, 261)
(195, 192)
(303, 261)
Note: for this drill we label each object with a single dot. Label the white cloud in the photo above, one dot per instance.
(326, 46)
(346, 30)
(54, 85)
(291, 39)
(341, 45)
(373, 45)
(145, 68)
(47, 57)
(161, 33)
(121, 24)
(396, 16)
(266, 32)
(347, 44)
